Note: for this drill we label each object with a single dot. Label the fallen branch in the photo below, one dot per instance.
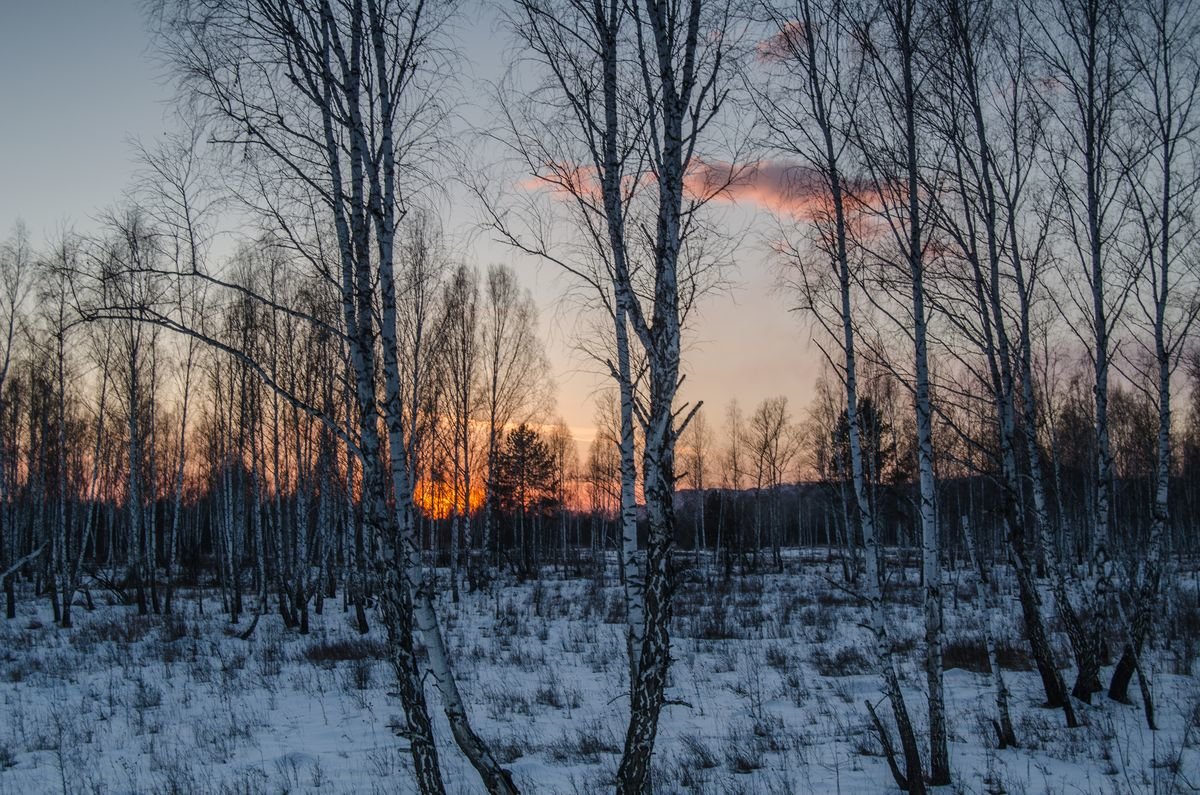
(32, 556)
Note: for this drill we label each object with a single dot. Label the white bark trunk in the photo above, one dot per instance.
(633, 578)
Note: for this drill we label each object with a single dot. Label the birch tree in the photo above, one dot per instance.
(331, 101)
(895, 36)
(615, 132)
(176, 193)
(16, 263)
(126, 266)
(990, 124)
(697, 441)
(1162, 40)
(57, 322)
(591, 154)
(681, 51)
(462, 351)
(1080, 47)
(773, 442)
(813, 53)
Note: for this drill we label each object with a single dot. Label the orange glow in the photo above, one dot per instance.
(438, 498)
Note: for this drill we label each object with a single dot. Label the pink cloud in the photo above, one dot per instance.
(777, 185)
(565, 181)
(784, 44)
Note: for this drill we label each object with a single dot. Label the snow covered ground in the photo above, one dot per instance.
(769, 678)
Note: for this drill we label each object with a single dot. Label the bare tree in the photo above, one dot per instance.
(175, 192)
(1080, 47)
(612, 135)
(734, 466)
(590, 152)
(1162, 40)
(773, 447)
(564, 465)
(328, 101)
(895, 36)
(697, 442)
(681, 52)
(809, 114)
(57, 321)
(16, 263)
(514, 368)
(126, 268)
(983, 110)
(606, 479)
(462, 352)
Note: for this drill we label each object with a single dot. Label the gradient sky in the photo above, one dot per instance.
(78, 79)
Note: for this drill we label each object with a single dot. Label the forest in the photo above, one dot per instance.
(288, 502)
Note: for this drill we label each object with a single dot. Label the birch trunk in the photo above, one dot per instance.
(632, 576)
(1170, 117)
(177, 506)
(358, 314)
(931, 569)
(674, 88)
(820, 105)
(406, 551)
(1083, 43)
(990, 191)
(134, 496)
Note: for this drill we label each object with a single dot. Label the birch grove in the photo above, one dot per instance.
(302, 376)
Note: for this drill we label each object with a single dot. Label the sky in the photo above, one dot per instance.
(79, 79)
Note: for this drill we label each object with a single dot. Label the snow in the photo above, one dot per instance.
(122, 704)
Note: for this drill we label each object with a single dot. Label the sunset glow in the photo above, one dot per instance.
(437, 499)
